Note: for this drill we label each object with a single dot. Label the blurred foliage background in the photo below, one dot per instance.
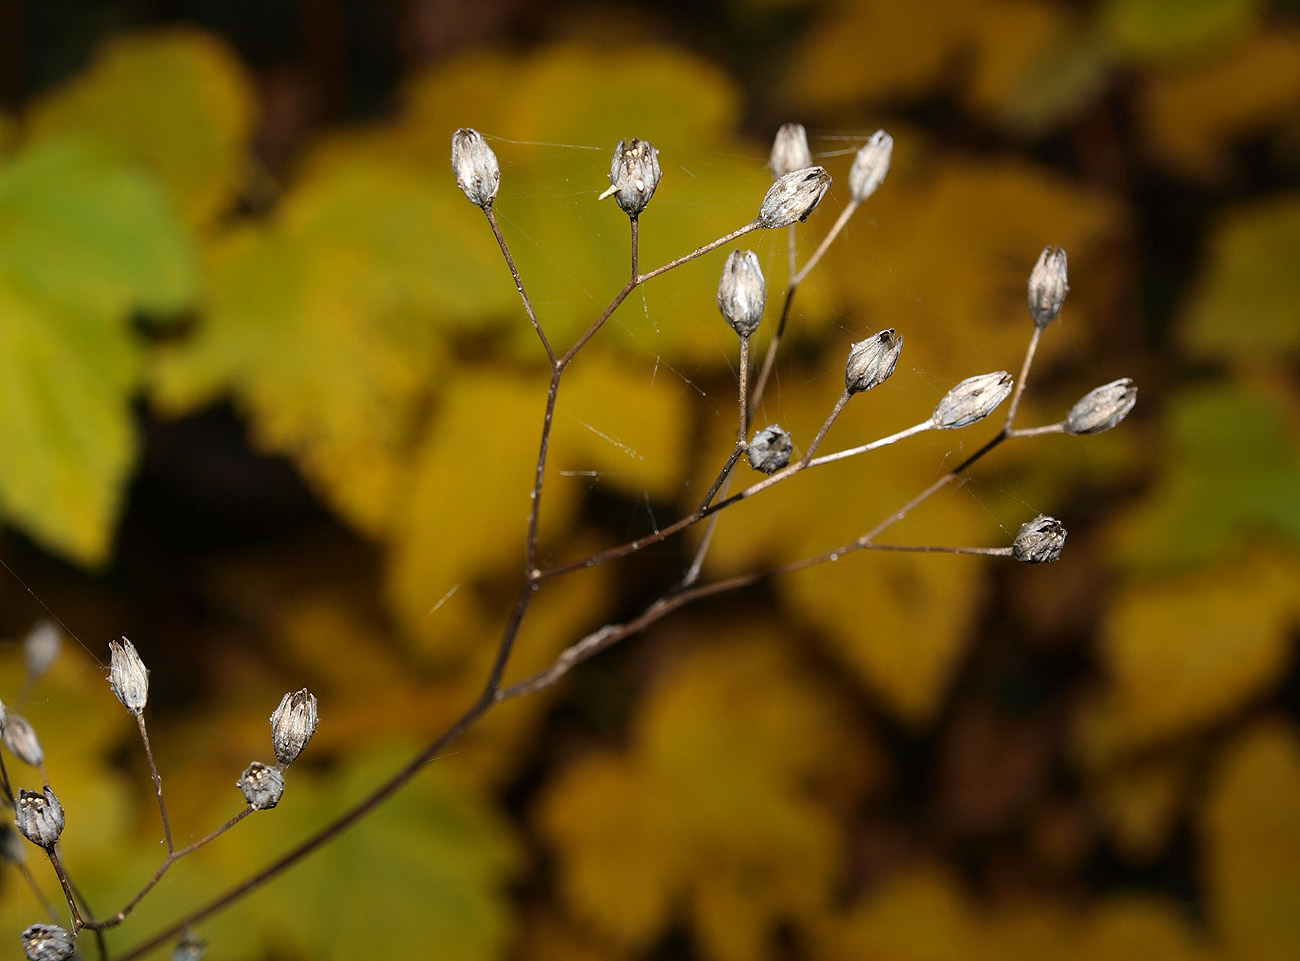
(269, 407)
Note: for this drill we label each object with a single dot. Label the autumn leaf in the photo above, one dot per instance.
(711, 806)
(84, 241)
(1251, 828)
(176, 101)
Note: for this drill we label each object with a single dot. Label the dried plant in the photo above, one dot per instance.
(634, 177)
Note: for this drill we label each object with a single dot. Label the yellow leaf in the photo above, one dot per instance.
(1251, 827)
(1194, 115)
(710, 806)
(1184, 651)
(176, 101)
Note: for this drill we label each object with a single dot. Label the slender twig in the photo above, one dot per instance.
(821, 434)
(157, 781)
(700, 251)
(519, 282)
(1023, 379)
(53, 854)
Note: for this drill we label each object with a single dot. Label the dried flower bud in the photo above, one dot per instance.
(972, 400)
(742, 292)
(633, 175)
(1102, 408)
(293, 724)
(793, 197)
(11, 849)
(263, 786)
(871, 361)
(39, 816)
(477, 171)
(770, 449)
(1040, 541)
(48, 942)
(189, 948)
(790, 150)
(870, 165)
(1048, 285)
(41, 648)
(20, 737)
(127, 675)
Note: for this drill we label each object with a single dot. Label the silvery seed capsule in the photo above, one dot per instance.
(41, 648)
(972, 400)
(871, 165)
(20, 737)
(48, 942)
(770, 449)
(293, 724)
(39, 816)
(477, 171)
(1048, 285)
(262, 786)
(790, 150)
(1040, 541)
(189, 948)
(742, 292)
(1102, 408)
(127, 675)
(633, 175)
(793, 197)
(871, 361)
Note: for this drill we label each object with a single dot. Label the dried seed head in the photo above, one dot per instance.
(790, 150)
(189, 948)
(263, 786)
(39, 816)
(1040, 541)
(20, 737)
(742, 292)
(793, 197)
(477, 172)
(871, 361)
(127, 675)
(870, 166)
(48, 942)
(293, 724)
(1048, 285)
(1102, 408)
(633, 175)
(41, 648)
(770, 449)
(972, 400)
(4, 716)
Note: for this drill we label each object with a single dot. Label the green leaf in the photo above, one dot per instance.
(83, 242)
(1155, 30)
(1230, 473)
(1245, 307)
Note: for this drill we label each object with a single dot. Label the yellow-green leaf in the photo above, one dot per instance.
(176, 101)
(83, 242)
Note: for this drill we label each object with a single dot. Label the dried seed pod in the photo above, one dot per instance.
(189, 948)
(770, 449)
(39, 816)
(793, 197)
(972, 400)
(41, 648)
(20, 737)
(1048, 285)
(742, 292)
(1040, 541)
(127, 675)
(4, 717)
(48, 942)
(871, 165)
(1102, 408)
(871, 361)
(293, 724)
(633, 175)
(790, 150)
(262, 785)
(477, 171)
